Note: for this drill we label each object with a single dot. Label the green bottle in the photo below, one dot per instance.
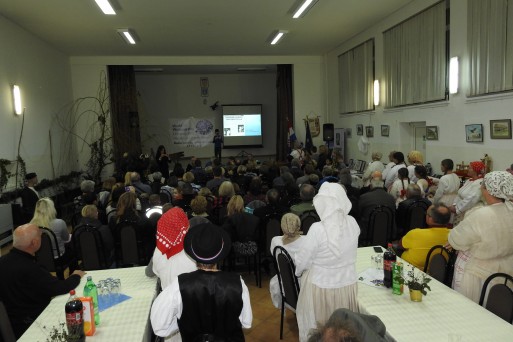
(90, 290)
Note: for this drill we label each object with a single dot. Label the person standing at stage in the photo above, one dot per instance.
(162, 158)
(218, 144)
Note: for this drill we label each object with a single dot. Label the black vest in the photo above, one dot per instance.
(212, 304)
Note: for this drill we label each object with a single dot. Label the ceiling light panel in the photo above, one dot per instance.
(106, 7)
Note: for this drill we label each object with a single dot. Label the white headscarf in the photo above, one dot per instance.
(500, 184)
(333, 206)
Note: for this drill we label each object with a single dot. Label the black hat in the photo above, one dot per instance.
(30, 176)
(207, 243)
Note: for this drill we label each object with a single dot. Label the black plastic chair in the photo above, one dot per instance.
(308, 218)
(379, 229)
(90, 248)
(6, 332)
(440, 265)
(289, 284)
(48, 254)
(500, 296)
(272, 229)
(416, 216)
(129, 245)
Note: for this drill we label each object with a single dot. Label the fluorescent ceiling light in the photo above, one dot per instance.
(307, 4)
(453, 75)
(252, 69)
(278, 36)
(17, 99)
(106, 7)
(127, 36)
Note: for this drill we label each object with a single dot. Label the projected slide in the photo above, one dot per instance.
(242, 126)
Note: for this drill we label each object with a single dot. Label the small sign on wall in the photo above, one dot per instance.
(204, 86)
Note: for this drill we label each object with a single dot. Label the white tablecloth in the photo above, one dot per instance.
(127, 321)
(443, 315)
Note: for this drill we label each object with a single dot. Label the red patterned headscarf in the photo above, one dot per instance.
(478, 167)
(171, 230)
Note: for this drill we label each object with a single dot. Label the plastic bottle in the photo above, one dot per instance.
(388, 258)
(74, 317)
(90, 290)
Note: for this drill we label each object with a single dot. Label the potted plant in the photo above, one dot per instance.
(416, 282)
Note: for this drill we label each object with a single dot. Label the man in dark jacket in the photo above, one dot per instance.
(26, 288)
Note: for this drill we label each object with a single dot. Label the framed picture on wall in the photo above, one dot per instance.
(385, 130)
(474, 133)
(500, 129)
(349, 133)
(359, 129)
(431, 132)
(369, 131)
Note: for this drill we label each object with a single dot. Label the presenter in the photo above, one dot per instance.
(162, 158)
(218, 144)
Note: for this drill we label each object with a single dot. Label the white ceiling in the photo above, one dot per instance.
(195, 27)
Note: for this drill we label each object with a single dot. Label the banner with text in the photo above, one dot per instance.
(192, 132)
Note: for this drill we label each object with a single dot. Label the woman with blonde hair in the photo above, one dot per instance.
(242, 227)
(235, 205)
(292, 241)
(414, 158)
(45, 215)
(90, 218)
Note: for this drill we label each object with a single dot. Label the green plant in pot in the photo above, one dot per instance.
(417, 283)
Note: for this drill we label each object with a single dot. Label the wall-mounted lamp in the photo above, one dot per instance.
(17, 100)
(376, 92)
(453, 75)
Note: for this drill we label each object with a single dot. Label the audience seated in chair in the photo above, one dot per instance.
(417, 242)
(306, 193)
(292, 241)
(370, 200)
(413, 195)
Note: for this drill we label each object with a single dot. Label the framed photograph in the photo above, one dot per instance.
(349, 133)
(431, 132)
(385, 130)
(500, 129)
(369, 131)
(474, 133)
(359, 129)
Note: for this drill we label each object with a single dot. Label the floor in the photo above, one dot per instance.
(266, 318)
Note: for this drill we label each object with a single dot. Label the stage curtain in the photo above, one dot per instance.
(284, 109)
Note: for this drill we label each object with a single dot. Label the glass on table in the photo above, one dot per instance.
(377, 261)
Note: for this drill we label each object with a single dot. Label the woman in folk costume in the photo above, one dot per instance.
(292, 241)
(483, 238)
(169, 258)
(469, 195)
(329, 257)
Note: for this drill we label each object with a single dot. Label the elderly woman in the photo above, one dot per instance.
(374, 165)
(329, 255)
(292, 241)
(169, 258)
(469, 195)
(90, 218)
(483, 238)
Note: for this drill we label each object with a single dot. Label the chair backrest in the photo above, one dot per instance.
(416, 216)
(47, 253)
(286, 270)
(439, 264)
(308, 218)
(128, 245)
(89, 247)
(363, 164)
(379, 229)
(6, 332)
(272, 229)
(500, 296)
(350, 165)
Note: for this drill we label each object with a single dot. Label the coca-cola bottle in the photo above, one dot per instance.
(74, 318)
(388, 258)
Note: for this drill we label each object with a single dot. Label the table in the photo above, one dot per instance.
(127, 321)
(441, 313)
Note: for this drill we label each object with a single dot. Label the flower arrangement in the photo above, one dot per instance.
(415, 281)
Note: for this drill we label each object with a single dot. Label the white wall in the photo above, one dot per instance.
(43, 75)
(450, 116)
(164, 97)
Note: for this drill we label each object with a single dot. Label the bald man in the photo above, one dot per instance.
(26, 288)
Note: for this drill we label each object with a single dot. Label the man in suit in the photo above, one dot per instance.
(29, 197)
(370, 200)
(413, 194)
